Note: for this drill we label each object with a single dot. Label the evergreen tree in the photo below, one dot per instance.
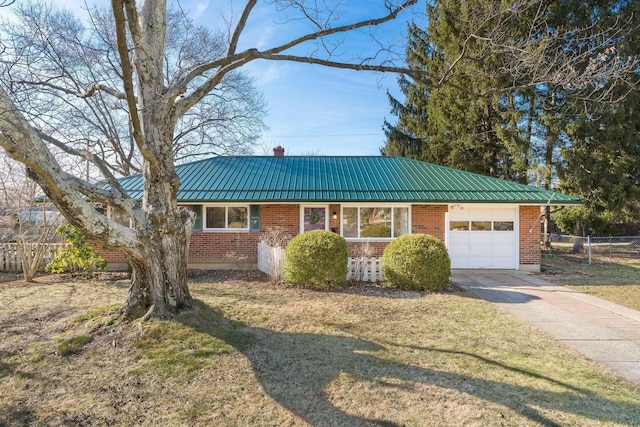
(528, 91)
(601, 163)
(451, 124)
(602, 166)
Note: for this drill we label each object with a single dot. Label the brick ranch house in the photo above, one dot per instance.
(484, 222)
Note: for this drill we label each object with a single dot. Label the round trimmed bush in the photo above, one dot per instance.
(317, 260)
(416, 262)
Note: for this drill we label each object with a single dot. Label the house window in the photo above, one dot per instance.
(481, 225)
(226, 217)
(380, 222)
(503, 225)
(459, 225)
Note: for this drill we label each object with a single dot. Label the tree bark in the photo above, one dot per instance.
(159, 287)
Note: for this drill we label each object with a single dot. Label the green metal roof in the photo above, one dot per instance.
(342, 179)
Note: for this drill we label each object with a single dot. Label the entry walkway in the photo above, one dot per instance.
(601, 330)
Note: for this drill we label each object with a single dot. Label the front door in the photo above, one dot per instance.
(314, 218)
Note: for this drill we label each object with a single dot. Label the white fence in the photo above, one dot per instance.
(365, 269)
(11, 261)
(271, 260)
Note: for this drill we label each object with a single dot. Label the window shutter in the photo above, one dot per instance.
(197, 226)
(254, 218)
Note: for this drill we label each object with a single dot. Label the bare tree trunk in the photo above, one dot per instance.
(159, 287)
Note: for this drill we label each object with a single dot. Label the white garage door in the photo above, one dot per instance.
(483, 237)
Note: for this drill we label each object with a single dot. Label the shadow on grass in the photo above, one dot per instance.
(16, 415)
(295, 369)
(507, 296)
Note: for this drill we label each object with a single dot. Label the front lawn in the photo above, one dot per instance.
(617, 282)
(252, 353)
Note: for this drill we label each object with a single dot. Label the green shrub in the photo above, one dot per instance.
(416, 262)
(317, 260)
(78, 256)
(378, 230)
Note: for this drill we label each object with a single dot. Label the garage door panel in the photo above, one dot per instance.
(502, 238)
(459, 237)
(502, 251)
(479, 251)
(481, 238)
(460, 262)
(459, 251)
(480, 262)
(493, 248)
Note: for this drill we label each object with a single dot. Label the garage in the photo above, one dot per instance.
(482, 237)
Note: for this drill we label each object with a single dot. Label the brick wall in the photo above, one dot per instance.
(216, 247)
(429, 219)
(530, 235)
(222, 247)
(334, 224)
(377, 248)
(115, 259)
(285, 216)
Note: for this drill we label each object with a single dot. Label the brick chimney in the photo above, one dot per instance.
(278, 151)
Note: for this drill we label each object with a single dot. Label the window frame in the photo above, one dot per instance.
(226, 207)
(359, 206)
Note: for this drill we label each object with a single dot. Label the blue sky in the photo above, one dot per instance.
(312, 109)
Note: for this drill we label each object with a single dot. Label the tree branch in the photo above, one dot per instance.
(232, 62)
(114, 184)
(22, 143)
(233, 43)
(185, 103)
(89, 93)
(127, 73)
(342, 29)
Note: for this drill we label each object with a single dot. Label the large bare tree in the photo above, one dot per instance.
(161, 102)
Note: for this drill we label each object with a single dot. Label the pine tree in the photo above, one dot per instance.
(602, 165)
(467, 123)
(528, 91)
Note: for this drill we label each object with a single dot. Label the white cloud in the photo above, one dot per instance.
(200, 8)
(266, 73)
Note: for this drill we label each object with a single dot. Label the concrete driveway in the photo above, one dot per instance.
(605, 332)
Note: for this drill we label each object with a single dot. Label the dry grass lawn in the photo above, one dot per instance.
(256, 354)
(616, 280)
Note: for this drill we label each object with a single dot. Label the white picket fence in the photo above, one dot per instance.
(271, 261)
(365, 269)
(11, 261)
